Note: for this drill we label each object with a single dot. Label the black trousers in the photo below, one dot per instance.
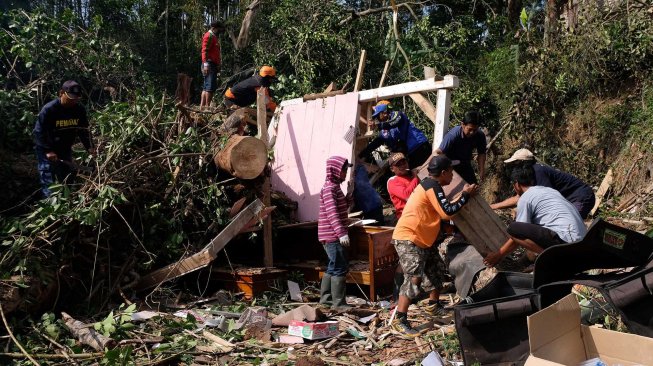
(539, 234)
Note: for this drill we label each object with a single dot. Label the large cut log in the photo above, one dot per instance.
(243, 157)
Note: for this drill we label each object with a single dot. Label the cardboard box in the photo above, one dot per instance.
(557, 337)
(312, 331)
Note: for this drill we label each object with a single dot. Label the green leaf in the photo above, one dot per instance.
(523, 18)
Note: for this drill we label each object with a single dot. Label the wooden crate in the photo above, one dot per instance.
(251, 281)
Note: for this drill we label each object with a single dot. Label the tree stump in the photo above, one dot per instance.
(243, 157)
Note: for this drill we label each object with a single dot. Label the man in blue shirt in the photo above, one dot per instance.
(573, 189)
(399, 134)
(544, 218)
(58, 124)
(459, 143)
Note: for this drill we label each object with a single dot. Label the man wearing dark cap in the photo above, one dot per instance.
(459, 143)
(58, 124)
(416, 236)
(211, 62)
(399, 134)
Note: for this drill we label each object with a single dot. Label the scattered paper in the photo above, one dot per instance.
(367, 319)
(363, 222)
(295, 292)
(144, 315)
(433, 359)
(290, 339)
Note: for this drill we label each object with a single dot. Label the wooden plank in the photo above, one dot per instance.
(361, 69)
(330, 87)
(206, 255)
(429, 72)
(425, 105)
(261, 119)
(308, 97)
(385, 73)
(261, 116)
(399, 90)
(442, 116)
(234, 227)
(480, 225)
(606, 183)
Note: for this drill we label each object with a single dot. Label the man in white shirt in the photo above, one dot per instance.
(544, 218)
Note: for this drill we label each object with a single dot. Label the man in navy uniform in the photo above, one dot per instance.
(58, 124)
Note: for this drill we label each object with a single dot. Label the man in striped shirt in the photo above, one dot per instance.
(332, 231)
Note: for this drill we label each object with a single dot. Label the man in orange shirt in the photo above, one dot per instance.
(415, 236)
(211, 62)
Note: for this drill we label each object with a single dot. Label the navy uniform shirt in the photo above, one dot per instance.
(458, 147)
(570, 187)
(57, 127)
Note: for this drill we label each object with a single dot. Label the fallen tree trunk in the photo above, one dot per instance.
(243, 157)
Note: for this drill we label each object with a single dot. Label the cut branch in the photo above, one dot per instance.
(354, 15)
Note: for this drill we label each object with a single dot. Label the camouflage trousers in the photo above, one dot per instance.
(423, 268)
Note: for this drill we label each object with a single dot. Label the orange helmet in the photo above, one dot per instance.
(385, 101)
(268, 71)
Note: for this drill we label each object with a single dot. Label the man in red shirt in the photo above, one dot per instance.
(402, 184)
(211, 62)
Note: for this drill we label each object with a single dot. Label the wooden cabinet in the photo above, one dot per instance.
(372, 244)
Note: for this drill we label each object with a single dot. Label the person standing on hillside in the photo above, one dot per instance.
(459, 143)
(211, 62)
(573, 189)
(243, 93)
(58, 124)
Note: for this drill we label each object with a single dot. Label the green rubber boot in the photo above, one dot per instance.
(339, 292)
(325, 289)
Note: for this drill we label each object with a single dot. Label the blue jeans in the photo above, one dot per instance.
(50, 172)
(211, 78)
(338, 265)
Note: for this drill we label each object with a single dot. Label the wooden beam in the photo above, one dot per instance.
(206, 255)
(603, 189)
(323, 95)
(361, 69)
(267, 222)
(399, 90)
(429, 72)
(425, 105)
(385, 73)
(442, 116)
(262, 116)
(330, 87)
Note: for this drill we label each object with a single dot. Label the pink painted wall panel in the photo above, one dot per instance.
(307, 135)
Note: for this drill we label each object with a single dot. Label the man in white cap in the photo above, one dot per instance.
(573, 189)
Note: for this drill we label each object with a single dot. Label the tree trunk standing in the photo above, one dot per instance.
(551, 21)
(514, 10)
(166, 40)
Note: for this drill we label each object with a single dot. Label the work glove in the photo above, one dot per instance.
(344, 240)
(205, 68)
